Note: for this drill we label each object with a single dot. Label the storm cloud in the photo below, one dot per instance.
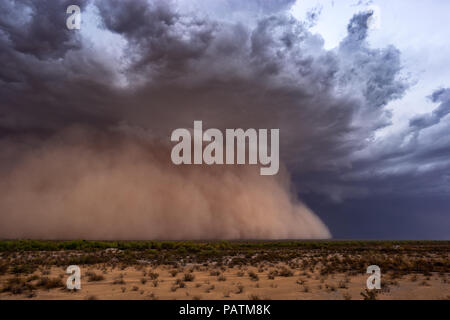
(155, 66)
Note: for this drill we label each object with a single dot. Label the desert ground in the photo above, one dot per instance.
(288, 270)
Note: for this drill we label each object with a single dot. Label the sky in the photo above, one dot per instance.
(359, 90)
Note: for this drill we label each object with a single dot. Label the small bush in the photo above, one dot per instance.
(92, 276)
(272, 274)
(180, 283)
(253, 276)
(153, 275)
(173, 272)
(188, 277)
(285, 272)
(369, 294)
(342, 285)
(50, 283)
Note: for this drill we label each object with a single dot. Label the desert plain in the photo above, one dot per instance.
(222, 270)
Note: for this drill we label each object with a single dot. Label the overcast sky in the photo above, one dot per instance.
(359, 89)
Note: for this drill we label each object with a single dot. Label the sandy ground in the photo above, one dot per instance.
(136, 283)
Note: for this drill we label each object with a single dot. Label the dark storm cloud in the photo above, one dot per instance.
(441, 96)
(45, 77)
(34, 27)
(273, 73)
(177, 67)
(181, 68)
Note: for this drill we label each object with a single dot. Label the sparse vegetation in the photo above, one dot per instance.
(92, 276)
(253, 276)
(369, 294)
(153, 275)
(173, 272)
(50, 283)
(27, 267)
(221, 278)
(188, 277)
(285, 272)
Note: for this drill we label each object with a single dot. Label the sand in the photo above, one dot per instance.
(237, 284)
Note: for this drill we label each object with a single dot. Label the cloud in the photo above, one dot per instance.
(425, 121)
(264, 70)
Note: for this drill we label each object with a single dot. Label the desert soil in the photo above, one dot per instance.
(211, 282)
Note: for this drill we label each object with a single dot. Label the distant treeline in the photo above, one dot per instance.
(196, 246)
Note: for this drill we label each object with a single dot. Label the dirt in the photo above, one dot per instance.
(237, 284)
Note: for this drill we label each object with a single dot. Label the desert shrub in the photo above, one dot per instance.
(92, 276)
(253, 276)
(153, 275)
(188, 277)
(173, 272)
(50, 283)
(285, 272)
(369, 294)
(25, 268)
(221, 278)
(119, 280)
(32, 278)
(17, 285)
(180, 283)
(330, 288)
